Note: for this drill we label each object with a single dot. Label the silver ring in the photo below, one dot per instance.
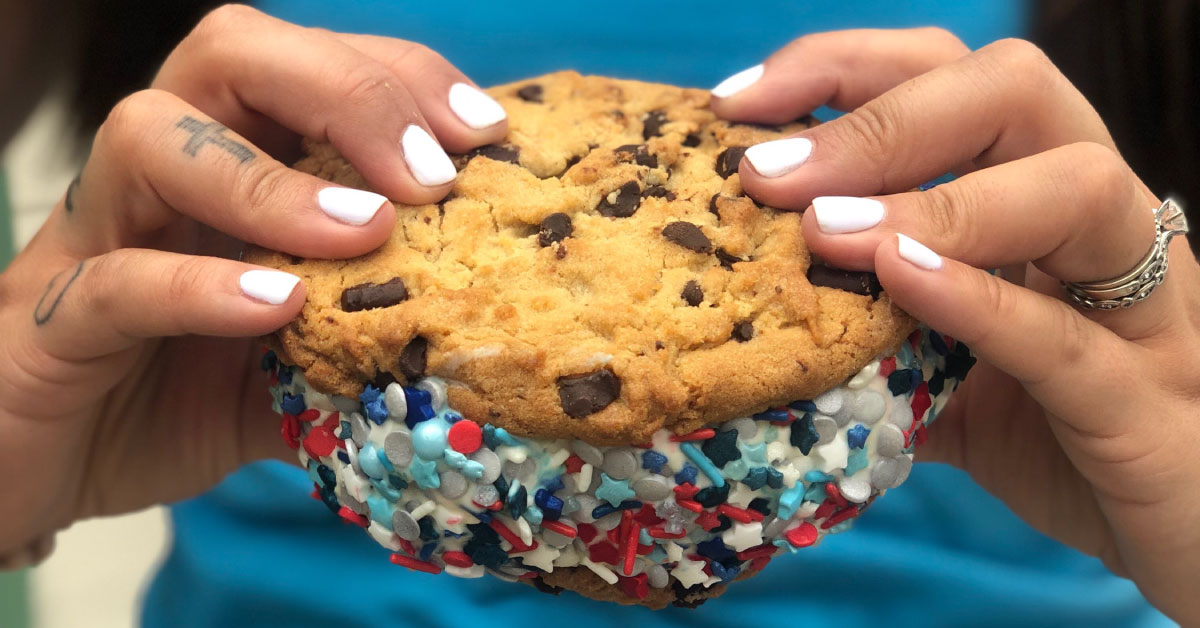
(1143, 278)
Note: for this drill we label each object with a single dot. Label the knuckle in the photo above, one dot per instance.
(1100, 175)
(944, 38)
(868, 128)
(100, 292)
(125, 128)
(264, 190)
(942, 212)
(369, 87)
(1022, 63)
(187, 280)
(218, 23)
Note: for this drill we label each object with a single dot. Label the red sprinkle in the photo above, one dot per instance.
(587, 532)
(735, 513)
(687, 490)
(657, 532)
(603, 553)
(754, 514)
(840, 516)
(832, 491)
(803, 535)
(825, 509)
(310, 415)
(631, 545)
(703, 434)
(920, 401)
(758, 563)
(414, 564)
(636, 586)
(316, 494)
(510, 536)
(920, 436)
(643, 550)
(574, 463)
(708, 520)
(887, 366)
(457, 559)
(647, 517)
(465, 436)
(756, 552)
(408, 547)
(561, 528)
(914, 338)
(290, 431)
(320, 440)
(644, 445)
(349, 515)
(690, 505)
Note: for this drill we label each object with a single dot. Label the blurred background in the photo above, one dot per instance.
(64, 64)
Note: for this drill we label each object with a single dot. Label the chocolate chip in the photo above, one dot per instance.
(771, 128)
(560, 251)
(499, 152)
(412, 358)
(728, 259)
(743, 331)
(546, 588)
(368, 296)
(692, 140)
(728, 160)
(658, 191)
(692, 293)
(652, 125)
(689, 236)
(641, 154)
(382, 380)
(624, 204)
(555, 228)
(570, 162)
(586, 394)
(858, 282)
(530, 93)
(712, 205)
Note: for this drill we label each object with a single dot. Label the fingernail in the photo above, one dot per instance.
(351, 206)
(738, 82)
(269, 286)
(426, 160)
(918, 254)
(846, 214)
(779, 157)
(475, 108)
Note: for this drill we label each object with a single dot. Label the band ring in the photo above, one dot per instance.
(1143, 278)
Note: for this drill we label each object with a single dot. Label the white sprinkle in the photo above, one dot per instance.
(422, 510)
(605, 573)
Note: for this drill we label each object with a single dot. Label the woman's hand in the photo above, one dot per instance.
(1086, 423)
(128, 377)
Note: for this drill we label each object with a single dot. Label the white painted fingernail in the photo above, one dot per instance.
(475, 108)
(351, 206)
(269, 286)
(738, 82)
(918, 254)
(426, 160)
(847, 214)
(779, 157)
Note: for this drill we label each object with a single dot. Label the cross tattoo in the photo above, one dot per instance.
(211, 133)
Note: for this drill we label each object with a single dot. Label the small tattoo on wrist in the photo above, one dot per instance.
(204, 133)
(48, 304)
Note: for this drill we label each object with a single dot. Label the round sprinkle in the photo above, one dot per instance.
(345, 405)
(518, 470)
(855, 489)
(398, 448)
(747, 428)
(827, 429)
(609, 521)
(436, 390)
(393, 398)
(829, 402)
(453, 484)
(405, 526)
(486, 495)
(868, 407)
(370, 463)
(587, 504)
(465, 437)
(619, 464)
(656, 576)
(359, 430)
(902, 415)
(429, 439)
(590, 453)
(652, 488)
(889, 441)
(554, 539)
(491, 465)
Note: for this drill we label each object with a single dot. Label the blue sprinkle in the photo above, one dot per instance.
(929, 185)
(293, 404)
(856, 461)
(343, 456)
(397, 482)
(452, 417)
(505, 438)
(425, 473)
(905, 356)
(774, 478)
(815, 493)
(686, 475)
(777, 415)
(483, 517)
(938, 343)
(269, 360)
(817, 477)
(370, 463)
(756, 478)
(657, 555)
(518, 500)
(915, 376)
(644, 538)
(383, 460)
(790, 500)
(327, 476)
(856, 437)
(489, 436)
(714, 549)
(420, 406)
(700, 460)
(285, 375)
(937, 383)
(429, 440)
(344, 430)
(804, 434)
(533, 515)
(602, 510)
(381, 511)
(373, 406)
(653, 461)
(391, 493)
(453, 535)
(312, 472)
(427, 551)
(555, 484)
(552, 506)
(900, 382)
(725, 573)
(803, 406)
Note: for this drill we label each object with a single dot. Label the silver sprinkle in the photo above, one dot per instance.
(554, 539)
(891, 472)
(869, 407)
(590, 453)
(436, 390)
(587, 504)
(503, 576)
(491, 465)
(906, 465)
(656, 576)
(397, 405)
(829, 402)
(827, 429)
(345, 405)
(348, 501)
(405, 526)
(855, 489)
(486, 495)
(889, 441)
(619, 464)
(453, 484)
(570, 505)
(398, 448)
(609, 521)
(652, 488)
(902, 414)
(746, 427)
(775, 528)
(359, 430)
(521, 471)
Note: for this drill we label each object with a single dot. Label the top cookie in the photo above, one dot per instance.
(600, 275)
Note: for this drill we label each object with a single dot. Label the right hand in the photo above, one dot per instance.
(130, 371)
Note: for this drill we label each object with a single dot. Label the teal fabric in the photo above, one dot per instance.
(936, 552)
(14, 590)
(7, 245)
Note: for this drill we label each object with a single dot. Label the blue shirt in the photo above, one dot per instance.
(938, 551)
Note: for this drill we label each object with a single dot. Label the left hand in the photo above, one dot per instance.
(1085, 423)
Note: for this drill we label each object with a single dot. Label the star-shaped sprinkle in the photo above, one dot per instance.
(856, 461)
(722, 448)
(742, 536)
(804, 434)
(653, 461)
(708, 520)
(425, 473)
(689, 572)
(614, 491)
(541, 557)
(756, 454)
(857, 436)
